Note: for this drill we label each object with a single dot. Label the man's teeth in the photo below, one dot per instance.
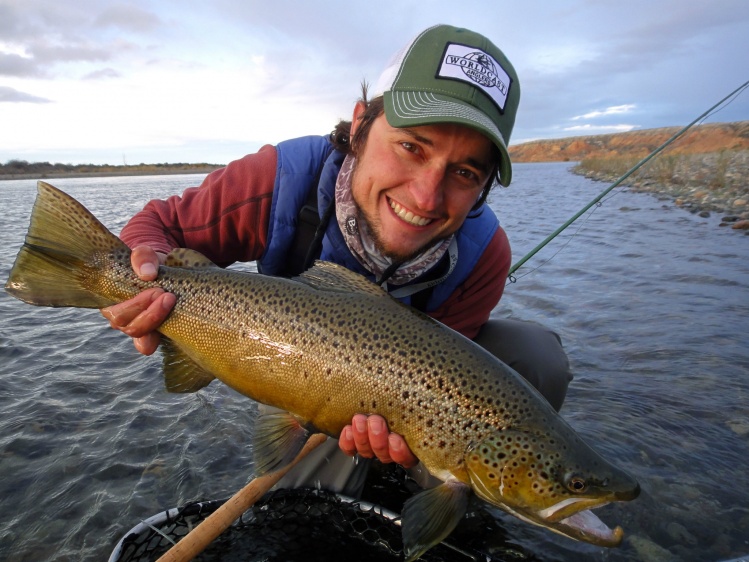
(408, 216)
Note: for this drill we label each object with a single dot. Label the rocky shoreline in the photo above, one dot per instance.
(705, 184)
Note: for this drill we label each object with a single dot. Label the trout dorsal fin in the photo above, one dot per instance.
(186, 258)
(182, 374)
(328, 276)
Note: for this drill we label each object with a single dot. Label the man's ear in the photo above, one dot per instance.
(359, 108)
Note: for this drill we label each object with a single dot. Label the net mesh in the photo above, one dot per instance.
(310, 525)
(288, 525)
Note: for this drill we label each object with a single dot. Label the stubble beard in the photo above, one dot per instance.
(374, 229)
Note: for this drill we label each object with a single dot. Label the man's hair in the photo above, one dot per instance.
(342, 141)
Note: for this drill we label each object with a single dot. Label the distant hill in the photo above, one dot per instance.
(700, 139)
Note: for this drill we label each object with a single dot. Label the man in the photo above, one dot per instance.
(397, 195)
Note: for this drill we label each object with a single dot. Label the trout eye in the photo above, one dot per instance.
(577, 484)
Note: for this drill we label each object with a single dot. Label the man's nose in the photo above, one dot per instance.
(427, 188)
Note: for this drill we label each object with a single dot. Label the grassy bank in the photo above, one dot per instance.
(712, 171)
(715, 182)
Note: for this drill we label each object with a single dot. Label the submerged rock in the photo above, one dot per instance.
(648, 551)
(739, 426)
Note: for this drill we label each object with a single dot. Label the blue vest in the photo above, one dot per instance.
(300, 162)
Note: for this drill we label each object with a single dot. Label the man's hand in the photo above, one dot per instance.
(142, 315)
(369, 437)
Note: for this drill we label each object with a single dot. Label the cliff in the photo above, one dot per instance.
(700, 139)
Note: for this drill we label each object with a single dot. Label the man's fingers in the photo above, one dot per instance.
(148, 344)
(142, 314)
(400, 452)
(145, 262)
(121, 314)
(150, 319)
(377, 433)
(360, 432)
(369, 437)
(346, 441)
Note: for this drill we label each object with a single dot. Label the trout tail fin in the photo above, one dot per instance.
(57, 261)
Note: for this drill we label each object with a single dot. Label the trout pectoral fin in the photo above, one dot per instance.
(278, 439)
(430, 516)
(181, 373)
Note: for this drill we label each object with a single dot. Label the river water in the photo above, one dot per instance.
(652, 304)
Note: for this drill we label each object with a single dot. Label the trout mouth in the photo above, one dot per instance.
(586, 526)
(571, 519)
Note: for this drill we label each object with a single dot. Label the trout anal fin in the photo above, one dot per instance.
(181, 373)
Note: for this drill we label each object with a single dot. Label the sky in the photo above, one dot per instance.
(156, 81)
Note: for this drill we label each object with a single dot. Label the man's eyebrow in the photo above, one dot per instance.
(416, 136)
(484, 167)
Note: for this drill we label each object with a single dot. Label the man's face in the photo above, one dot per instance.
(416, 186)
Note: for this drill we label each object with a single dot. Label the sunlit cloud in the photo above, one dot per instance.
(600, 129)
(613, 110)
(13, 49)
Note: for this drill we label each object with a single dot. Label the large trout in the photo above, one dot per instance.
(330, 344)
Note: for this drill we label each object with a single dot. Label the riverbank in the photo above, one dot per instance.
(46, 171)
(706, 184)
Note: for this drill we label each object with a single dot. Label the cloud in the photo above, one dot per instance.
(12, 64)
(102, 74)
(613, 110)
(162, 73)
(46, 39)
(130, 18)
(599, 129)
(14, 96)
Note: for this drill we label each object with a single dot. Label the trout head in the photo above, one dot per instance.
(551, 479)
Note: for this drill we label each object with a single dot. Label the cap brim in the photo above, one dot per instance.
(411, 109)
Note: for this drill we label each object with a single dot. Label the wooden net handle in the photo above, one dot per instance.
(206, 532)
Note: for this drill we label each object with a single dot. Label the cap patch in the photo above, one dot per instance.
(478, 68)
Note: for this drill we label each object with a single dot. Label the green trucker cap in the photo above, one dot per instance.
(452, 75)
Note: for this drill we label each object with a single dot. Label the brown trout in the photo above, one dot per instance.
(330, 344)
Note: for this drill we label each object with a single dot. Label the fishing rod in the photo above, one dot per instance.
(631, 171)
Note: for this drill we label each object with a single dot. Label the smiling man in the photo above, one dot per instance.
(413, 187)
(396, 194)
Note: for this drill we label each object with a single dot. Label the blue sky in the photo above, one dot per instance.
(184, 81)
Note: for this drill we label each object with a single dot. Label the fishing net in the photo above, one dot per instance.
(285, 525)
(308, 525)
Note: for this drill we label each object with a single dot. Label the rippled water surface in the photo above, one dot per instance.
(652, 304)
